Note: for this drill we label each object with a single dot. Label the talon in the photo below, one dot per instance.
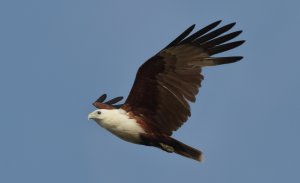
(166, 147)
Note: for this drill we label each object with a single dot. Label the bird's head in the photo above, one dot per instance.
(103, 108)
(96, 115)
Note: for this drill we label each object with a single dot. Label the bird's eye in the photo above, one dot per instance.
(98, 112)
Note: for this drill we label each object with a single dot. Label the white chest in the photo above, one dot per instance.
(117, 122)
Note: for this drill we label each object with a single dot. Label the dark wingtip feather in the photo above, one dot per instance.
(191, 27)
(226, 60)
(181, 36)
(237, 58)
(101, 98)
(218, 21)
(114, 100)
(201, 32)
(224, 47)
(212, 35)
(215, 24)
(221, 39)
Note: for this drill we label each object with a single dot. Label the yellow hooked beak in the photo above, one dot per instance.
(91, 116)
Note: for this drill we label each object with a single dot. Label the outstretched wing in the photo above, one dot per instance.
(167, 82)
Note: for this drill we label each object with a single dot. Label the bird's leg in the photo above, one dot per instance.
(166, 147)
(157, 141)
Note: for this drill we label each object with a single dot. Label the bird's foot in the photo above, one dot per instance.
(166, 147)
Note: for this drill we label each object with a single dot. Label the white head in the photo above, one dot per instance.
(97, 115)
(107, 115)
(117, 122)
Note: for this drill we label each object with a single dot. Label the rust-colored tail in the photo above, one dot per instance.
(185, 150)
(171, 145)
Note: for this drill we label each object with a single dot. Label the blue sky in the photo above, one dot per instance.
(57, 57)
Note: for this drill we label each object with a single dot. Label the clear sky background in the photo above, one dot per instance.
(58, 56)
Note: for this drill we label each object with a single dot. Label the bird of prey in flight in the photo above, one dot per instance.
(165, 84)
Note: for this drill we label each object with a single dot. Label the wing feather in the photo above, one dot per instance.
(168, 81)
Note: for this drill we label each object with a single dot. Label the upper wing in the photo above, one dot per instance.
(170, 79)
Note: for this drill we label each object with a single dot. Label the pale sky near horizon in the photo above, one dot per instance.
(58, 56)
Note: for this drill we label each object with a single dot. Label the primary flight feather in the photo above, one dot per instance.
(158, 102)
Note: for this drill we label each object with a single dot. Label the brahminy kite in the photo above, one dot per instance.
(158, 102)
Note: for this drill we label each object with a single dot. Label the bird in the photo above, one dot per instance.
(164, 86)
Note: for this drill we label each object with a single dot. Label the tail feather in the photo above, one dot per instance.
(171, 145)
(187, 151)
